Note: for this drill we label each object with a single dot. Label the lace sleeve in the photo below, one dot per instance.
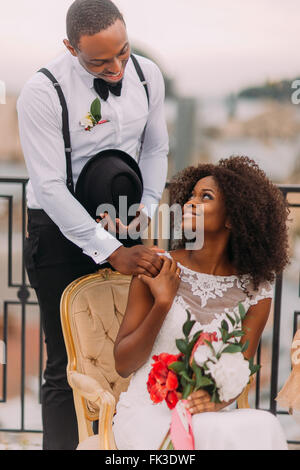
(265, 291)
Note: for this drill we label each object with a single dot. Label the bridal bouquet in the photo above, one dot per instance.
(210, 361)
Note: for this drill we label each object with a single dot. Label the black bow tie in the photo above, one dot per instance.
(103, 88)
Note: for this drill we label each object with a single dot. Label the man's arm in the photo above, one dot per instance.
(40, 126)
(154, 161)
(43, 148)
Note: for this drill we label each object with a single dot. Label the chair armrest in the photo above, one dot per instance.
(91, 390)
(242, 401)
(86, 386)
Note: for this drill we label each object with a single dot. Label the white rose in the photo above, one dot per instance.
(231, 374)
(204, 353)
(87, 121)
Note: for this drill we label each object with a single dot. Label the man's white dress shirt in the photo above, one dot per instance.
(40, 127)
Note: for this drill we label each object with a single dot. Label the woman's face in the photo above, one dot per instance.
(205, 198)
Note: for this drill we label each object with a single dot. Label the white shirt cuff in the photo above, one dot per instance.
(101, 246)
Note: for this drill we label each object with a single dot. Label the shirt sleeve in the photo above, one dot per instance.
(154, 157)
(40, 129)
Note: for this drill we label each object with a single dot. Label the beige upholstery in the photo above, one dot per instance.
(92, 308)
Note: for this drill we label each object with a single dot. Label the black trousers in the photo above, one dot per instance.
(52, 263)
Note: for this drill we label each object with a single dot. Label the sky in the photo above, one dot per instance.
(209, 47)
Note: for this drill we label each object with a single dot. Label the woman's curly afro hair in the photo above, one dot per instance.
(257, 210)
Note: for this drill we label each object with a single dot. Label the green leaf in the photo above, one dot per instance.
(224, 334)
(192, 344)
(187, 327)
(177, 366)
(224, 325)
(245, 346)
(237, 318)
(232, 321)
(184, 374)
(215, 397)
(236, 334)
(242, 311)
(204, 382)
(96, 109)
(253, 368)
(182, 345)
(183, 382)
(201, 380)
(188, 314)
(187, 391)
(210, 345)
(195, 339)
(233, 348)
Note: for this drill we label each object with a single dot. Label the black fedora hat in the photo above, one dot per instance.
(107, 176)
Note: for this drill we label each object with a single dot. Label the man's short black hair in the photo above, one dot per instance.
(89, 17)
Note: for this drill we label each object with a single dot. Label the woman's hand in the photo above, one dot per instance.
(200, 402)
(164, 286)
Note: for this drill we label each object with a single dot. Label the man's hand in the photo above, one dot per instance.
(137, 260)
(138, 225)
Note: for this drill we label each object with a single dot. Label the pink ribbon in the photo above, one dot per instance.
(181, 431)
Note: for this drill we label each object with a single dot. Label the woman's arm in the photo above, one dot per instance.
(253, 326)
(149, 301)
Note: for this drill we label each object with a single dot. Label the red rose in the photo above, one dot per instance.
(172, 381)
(172, 400)
(158, 393)
(168, 358)
(163, 382)
(160, 372)
(151, 381)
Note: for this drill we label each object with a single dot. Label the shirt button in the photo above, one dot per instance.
(96, 252)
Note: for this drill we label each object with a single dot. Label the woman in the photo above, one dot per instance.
(245, 246)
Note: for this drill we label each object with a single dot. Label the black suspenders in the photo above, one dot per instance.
(65, 119)
(65, 128)
(141, 76)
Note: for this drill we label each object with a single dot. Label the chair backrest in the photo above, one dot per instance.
(92, 309)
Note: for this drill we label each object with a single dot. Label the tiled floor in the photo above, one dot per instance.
(10, 441)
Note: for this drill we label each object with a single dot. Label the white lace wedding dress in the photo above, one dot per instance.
(141, 425)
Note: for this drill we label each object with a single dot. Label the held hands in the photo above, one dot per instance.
(137, 260)
(165, 285)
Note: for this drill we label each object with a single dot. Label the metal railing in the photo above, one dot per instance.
(24, 291)
(23, 296)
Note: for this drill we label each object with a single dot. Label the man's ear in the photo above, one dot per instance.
(69, 47)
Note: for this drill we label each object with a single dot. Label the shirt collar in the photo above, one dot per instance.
(87, 77)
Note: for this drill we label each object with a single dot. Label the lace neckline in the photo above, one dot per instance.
(209, 276)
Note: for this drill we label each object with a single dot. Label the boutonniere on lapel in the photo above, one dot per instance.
(93, 118)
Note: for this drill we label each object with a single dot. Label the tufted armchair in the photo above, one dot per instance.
(92, 309)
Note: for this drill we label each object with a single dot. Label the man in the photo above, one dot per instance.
(64, 241)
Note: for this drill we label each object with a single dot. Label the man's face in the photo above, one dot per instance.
(105, 54)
